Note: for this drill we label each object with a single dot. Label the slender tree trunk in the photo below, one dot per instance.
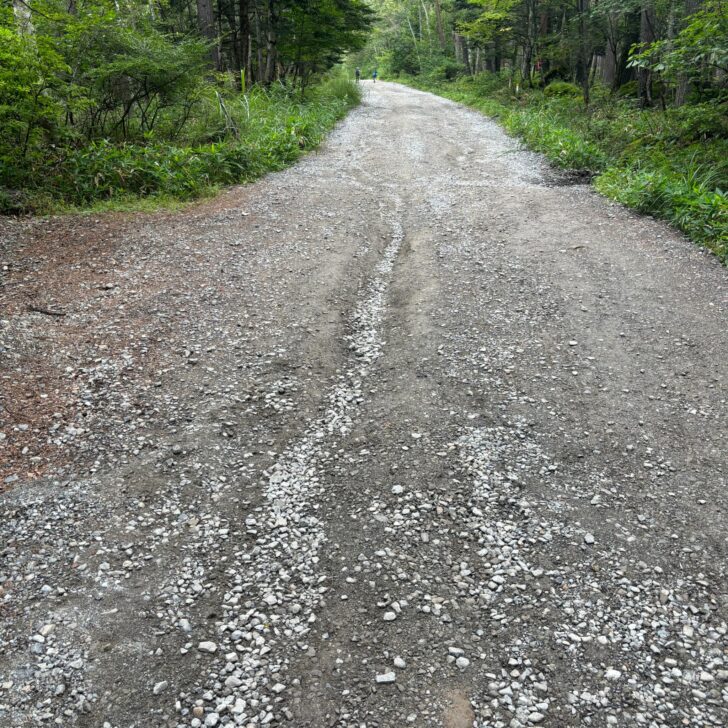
(583, 67)
(466, 56)
(647, 36)
(244, 41)
(206, 23)
(526, 64)
(532, 27)
(258, 47)
(427, 19)
(271, 59)
(438, 21)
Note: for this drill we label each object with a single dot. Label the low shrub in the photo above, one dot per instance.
(562, 88)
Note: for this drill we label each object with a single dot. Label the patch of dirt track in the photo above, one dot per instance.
(403, 435)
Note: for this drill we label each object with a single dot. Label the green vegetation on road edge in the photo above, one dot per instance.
(672, 164)
(273, 128)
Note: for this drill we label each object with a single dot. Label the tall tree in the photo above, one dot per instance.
(208, 30)
(647, 37)
(438, 21)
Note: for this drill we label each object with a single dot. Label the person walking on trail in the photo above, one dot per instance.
(357, 73)
(374, 76)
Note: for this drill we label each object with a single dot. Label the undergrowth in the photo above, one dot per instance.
(671, 163)
(227, 139)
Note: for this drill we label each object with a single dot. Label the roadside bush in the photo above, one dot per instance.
(254, 133)
(562, 88)
(448, 70)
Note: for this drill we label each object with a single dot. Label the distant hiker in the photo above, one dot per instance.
(374, 75)
(357, 73)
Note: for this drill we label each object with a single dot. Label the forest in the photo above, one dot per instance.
(101, 101)
(630, 93)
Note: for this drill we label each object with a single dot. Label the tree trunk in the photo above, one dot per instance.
(271, 59)
(206, 24)
(458, 44)
(584, 61)
(526, 64)
(466, 55)
(610, 66)
(258, 47)
(244, 42)
(427, 19)
(647, 36)
(438, 21)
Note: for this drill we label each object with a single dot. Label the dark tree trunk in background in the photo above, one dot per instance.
(609, 66)
(466, 54)
(647, 36)
(584, 61)
(206, 23)
(258, 47)
(629, 38)
(271, 58)
(244, 40)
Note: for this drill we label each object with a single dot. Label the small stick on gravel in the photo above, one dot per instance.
(46, 311)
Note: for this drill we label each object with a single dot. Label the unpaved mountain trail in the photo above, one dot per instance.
(407, 434)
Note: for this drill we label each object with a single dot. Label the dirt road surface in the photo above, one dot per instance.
(408, 434)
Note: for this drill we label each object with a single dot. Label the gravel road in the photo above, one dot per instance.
(411, 433)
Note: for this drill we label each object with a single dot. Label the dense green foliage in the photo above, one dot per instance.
(273, 127)
(632, 92)
(99, 99)
(672, 50)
